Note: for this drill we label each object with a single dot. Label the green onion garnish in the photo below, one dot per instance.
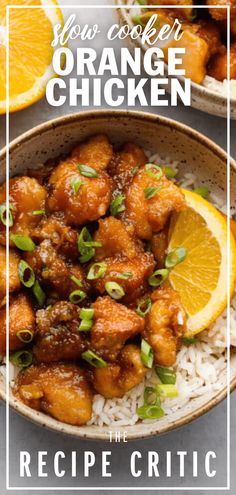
(76, 280)
(141, 2)
(86, 314)
(114, 290)
(170, 172)
(175, 257)
(202, 191)
(76, 183)
(151, 397)
(77, 296)
(21, 359)
(39, 293)
(87, 171)
(134, 170)
(26, 274)
(3, 212)
(97, 270)
(158, 277)
(86, 245)
(166, 375)
(167, 390)
(146, 354)
(93, 359)
(38, 212)
(190, 340)
(153, 170)
(124, 275)
(150, 192)
(23, 242)
(85, 325)
(150, 412)
(137, 20)
(144, 307)
(25, 336)
(117, 206)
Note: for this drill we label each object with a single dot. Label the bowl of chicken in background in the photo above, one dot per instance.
(205, 40)
(198, 371)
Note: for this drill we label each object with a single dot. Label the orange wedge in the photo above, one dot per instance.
(30, 51)
(201, 279)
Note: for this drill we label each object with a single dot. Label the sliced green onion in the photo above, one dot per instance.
(97, 270)
(85, 325)
(25, 336)
(170, 172)
(151, 397)
(114, 290)
(150, 192)
(86, 245)
(190, 340)
(202, 191)
(141, 2)
(117, 206)
(166, 375)
(48, 307)
(76, 280)
(23, 242)
(38, 212)
(138, 20)
(154, 170)
(26, 274)
(77, 296)
(39, 293)
(146, 354)
(175, 257)
(134, 170)
(21, 359)
(3, 212)
(167, 390)
(76, 183)
(93, 359)
(86, 313)
(150, 412)
(124, 275)
(158, 277)
(87, 171)
(144, 307)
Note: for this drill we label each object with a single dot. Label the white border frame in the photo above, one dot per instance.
(165, 488)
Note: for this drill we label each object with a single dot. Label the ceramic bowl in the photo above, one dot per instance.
(202, 98)
(195, 153)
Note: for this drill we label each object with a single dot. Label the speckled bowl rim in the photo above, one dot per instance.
(199, 89)
(96, 433)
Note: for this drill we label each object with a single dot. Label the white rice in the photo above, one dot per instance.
(198, 367)
(218, 87)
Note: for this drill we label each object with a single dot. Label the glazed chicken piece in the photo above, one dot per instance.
(131, 275)
(116, 238)
(81, 198)
(57, 335)
(14, 281)
(221, 14)
(62, 237)
(114, 323)
(118, 378)
(54, 271)
(165, 325)
(150, 215)
(96, 152)
(21, 317)
(124, 165)
(61, 390)
(26, 197)
(218, 64)
(159, 244)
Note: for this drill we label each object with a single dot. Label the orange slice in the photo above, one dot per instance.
(30, 51)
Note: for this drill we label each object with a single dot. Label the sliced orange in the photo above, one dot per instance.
(30, 51)
(201, 279)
